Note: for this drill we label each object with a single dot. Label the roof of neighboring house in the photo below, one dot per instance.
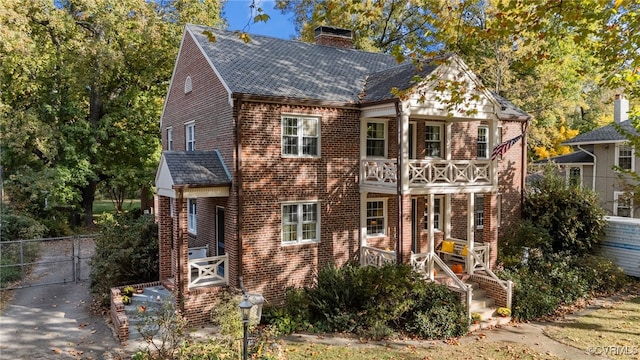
(576, 157)
(203, 168)
(268, 66)
(605, 134)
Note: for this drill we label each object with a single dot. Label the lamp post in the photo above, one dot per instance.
(245, 310)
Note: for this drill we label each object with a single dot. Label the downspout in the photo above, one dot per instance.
(179, 276)
(593, 185)
(523, 176)
(239, 199)
(399, 246)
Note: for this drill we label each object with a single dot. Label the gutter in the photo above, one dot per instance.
(593, 185)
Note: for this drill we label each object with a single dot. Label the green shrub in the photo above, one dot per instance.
(126, 253)
(437, 313)
(602, 275)
(293, 316)
(14, 226)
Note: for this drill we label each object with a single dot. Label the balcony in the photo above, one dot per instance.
(425, 174)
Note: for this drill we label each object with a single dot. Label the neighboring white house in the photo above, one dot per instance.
(598, 155)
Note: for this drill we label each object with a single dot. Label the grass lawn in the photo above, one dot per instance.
(439, 350)
(107, 206)
(612, 331)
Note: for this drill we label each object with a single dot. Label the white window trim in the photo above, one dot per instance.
(487, 142)
(299, 240)
(187, 141)
(426, 208)
(170, 138)
(442, 138)
(385, 139)
(568, 173)
(192, 218)
(188, 85)
(616, 196)
(172, 207)
(633, 157)
(384, 216)
(301, 136)
(475, 212)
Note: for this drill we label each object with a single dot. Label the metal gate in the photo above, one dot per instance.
(35, 262)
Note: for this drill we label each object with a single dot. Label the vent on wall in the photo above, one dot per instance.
(187, 85)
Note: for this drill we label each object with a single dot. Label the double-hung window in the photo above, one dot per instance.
(169, 138)
(433, 140)
(437, 211)
(483, 142)
(300, 136)
(622, 204)
(376, 217)
(624, 157)
(300, 223)
(479, 211)
(192, 218)
(190, 136)
(376, 139)
(574, 176)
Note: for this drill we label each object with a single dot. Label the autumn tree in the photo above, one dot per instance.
(81, 91)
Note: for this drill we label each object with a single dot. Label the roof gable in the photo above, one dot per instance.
(191, 169)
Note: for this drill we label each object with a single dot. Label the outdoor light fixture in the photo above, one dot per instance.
(245, 310)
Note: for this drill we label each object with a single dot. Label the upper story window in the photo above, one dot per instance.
(623, 204)
(437, 211)
(624, 157)
(479, 211)
(376, 139)
(169, 138)
(376, 217)
(188, 85)
(190, 136)
(483, 142)
(574, 176)
(433, 140)
(300, 223)
(192, 218)
(300, 136)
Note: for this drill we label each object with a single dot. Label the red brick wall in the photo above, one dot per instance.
(269, 179)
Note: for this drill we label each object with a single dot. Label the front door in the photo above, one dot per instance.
(220, 235)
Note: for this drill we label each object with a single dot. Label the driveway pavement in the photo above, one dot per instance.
(55, 322)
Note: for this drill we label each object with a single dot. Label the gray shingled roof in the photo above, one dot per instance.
(204, 168)
(276, 67)
(603, 135)
(576, 157)
(269, 66)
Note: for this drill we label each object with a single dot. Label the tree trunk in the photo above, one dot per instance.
(88, 195)
(146, 200)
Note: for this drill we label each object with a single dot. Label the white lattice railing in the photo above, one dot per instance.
(506, 285)
(429, 172)
(209, 271)
(370, 256)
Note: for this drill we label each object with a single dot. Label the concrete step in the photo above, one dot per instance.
(488, 323)
(478, 294)
(481, 303)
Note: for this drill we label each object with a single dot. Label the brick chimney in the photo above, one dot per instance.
(620, 109)
(336, 37)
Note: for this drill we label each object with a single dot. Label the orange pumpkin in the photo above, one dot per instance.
(457, 268)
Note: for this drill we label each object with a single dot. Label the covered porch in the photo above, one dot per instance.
(193, 192)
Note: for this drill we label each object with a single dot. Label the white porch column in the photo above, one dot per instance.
(447, 216)
(403, 147)
(471, 201)
(363, 218)
(447, 141)
(430, 234)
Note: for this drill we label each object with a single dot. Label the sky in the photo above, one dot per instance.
(238, 15)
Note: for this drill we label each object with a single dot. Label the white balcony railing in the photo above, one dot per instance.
(209, 271)
(428, 172)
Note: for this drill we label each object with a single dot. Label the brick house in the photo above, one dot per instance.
(280, 157)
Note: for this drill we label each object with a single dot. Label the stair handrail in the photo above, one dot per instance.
(466, 288)
(506, 285)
